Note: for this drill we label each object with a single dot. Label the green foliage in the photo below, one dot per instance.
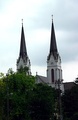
(24, 99)
(75, 116)
(70, 103)
(2, 93)
(10, 72)
(23, 70)
(76, 81)
(19, 88)
(43, 102)
(1, 75)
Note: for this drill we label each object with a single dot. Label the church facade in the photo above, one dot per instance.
(54, 70)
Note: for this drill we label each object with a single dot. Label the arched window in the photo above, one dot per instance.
(52, 75)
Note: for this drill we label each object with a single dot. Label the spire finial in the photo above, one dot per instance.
(52, 17)
(22, 21)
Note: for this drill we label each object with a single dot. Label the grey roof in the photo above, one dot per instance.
(42, 79)
(23, 51)
(68, 85)
(53, 45)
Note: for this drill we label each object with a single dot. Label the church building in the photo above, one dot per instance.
(54, 70)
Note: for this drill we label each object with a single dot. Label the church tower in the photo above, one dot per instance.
(23, 61)
(54, 72)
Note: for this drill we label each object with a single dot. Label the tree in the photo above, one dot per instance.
(23, 70)
(2, 95)
(70, 103)
(22, 99)
(76, 81)
(16, 95)
(43, 102)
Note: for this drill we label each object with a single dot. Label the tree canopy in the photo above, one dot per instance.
(70, 103)
(16, 89)
(22, 99)
(43, 102)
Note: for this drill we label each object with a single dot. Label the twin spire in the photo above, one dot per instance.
(53, 45)
(54, 72)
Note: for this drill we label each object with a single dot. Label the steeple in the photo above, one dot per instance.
(23, 60)
(54, 71)
(53, 45)
(23, 50)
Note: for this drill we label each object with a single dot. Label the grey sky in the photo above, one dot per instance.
(37, 27)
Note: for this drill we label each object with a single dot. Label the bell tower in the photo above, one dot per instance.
(54, 71)
(23, 60)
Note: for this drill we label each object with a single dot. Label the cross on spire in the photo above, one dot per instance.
(22, 21)
(52, 17)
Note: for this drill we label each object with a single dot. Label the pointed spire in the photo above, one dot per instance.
(23, 51)
(53, 45)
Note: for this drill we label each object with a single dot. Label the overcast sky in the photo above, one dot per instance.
(36, 15)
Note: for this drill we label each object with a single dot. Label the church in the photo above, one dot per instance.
(54, 70)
